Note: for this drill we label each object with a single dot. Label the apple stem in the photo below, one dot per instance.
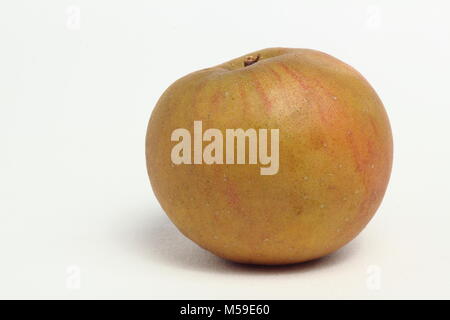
(251, 60)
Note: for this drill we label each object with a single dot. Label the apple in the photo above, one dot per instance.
(313, 120)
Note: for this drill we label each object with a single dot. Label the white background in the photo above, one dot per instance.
(78, 218)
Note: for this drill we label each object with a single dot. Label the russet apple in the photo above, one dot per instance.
(335, 156)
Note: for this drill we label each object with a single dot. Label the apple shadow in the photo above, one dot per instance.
(158, 238)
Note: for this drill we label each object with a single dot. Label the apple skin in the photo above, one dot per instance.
(335, 157)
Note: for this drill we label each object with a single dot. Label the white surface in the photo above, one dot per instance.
(74, 106)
